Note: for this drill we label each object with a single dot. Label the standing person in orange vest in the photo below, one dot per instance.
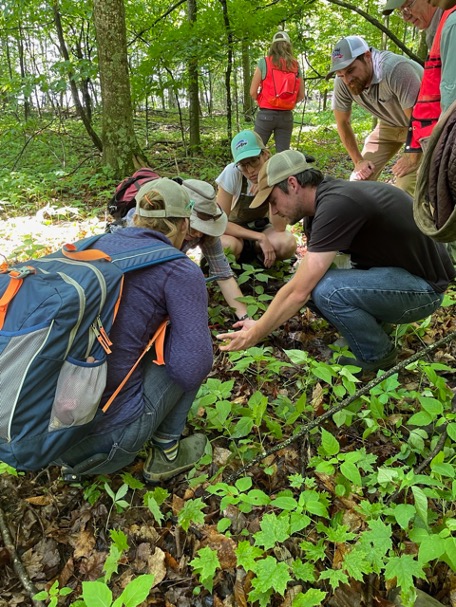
(438, 89)
(277, 86)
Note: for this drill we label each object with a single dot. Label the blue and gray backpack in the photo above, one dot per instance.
(56, 313)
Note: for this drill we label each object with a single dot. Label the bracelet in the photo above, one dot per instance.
(244, 317)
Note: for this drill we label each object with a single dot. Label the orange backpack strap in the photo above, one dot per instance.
(13, 287)
(70, 251)
(159, 340)
(16, 279)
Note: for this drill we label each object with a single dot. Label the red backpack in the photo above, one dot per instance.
(124, 198)
(279, 89)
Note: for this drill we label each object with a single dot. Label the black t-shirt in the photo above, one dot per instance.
(373, 222)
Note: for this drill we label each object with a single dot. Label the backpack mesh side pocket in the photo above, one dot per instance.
(79, 390)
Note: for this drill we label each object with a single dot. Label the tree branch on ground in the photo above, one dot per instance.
(342, 405)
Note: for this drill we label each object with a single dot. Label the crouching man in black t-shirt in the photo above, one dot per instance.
(398, 274)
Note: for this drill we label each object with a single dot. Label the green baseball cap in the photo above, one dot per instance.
(246, 144)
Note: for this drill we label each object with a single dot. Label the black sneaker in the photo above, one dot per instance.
(158, 467)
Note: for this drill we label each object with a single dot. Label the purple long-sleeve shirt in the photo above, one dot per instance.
(174, 289)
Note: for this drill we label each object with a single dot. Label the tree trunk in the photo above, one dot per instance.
(247, 76)
(229, 69)
(74, 89)
(119, 141)
(194, 106)
(20, 44)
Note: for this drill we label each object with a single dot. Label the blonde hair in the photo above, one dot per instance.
(153, 201)
(281, 53)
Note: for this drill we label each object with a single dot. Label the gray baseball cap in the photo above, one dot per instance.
(345, 52)
(391, 5)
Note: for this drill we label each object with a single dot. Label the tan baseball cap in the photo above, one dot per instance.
(176, 199)
(276, 169)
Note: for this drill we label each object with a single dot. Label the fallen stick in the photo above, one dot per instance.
(19, 568)
(342, 405)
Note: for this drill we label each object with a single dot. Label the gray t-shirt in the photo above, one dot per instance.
(394, 87)
(447, 48)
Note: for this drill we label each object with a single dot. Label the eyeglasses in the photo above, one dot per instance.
(405, 9)
(207, 216)
(253, 162)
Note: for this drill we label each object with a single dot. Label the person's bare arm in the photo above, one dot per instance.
(287, 302)
(301, 92)
(408, 162)
(231, 293)
(362, 168)
(224, 199)
(255, 84)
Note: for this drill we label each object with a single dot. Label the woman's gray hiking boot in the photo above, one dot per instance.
(158, 467)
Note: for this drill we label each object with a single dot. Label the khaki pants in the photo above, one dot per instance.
(381, 145)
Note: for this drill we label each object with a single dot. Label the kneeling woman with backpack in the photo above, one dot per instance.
(154, 402)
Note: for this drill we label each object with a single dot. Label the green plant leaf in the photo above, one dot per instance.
(329, 443)
(351, 472)
(431, 405)
(274, 529)
(244, 483)
(311, 598)
(137, 590)
(298, 357)
(404, 568)
(96, 594)
(119, 538)
(356, 564)
(285, 503)
(303, 571)
(404, 513)
(205, 565)
(192, 512)
(247, 555)
(243, 427)
(154, 508)
(451, 431)
(421, 503)
(271, 574)
(431, 548)
(335, 577)
(112, 561)
(422, 418)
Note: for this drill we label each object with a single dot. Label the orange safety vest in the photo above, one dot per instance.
(427, 110)
(280, 88)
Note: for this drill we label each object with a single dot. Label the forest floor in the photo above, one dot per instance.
(62, 532)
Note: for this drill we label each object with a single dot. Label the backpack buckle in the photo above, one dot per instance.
(22, 272)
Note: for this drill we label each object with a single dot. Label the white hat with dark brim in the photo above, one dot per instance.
(207, 217)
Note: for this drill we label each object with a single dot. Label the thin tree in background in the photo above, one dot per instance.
(193, 88)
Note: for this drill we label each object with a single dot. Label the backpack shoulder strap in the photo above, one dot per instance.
(155, 253)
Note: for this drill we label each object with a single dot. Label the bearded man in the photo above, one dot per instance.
(386, 85)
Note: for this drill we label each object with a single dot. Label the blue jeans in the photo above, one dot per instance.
(166, 406)
(357, 302)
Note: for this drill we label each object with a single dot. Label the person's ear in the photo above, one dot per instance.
(293, 183)
(185, 225)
